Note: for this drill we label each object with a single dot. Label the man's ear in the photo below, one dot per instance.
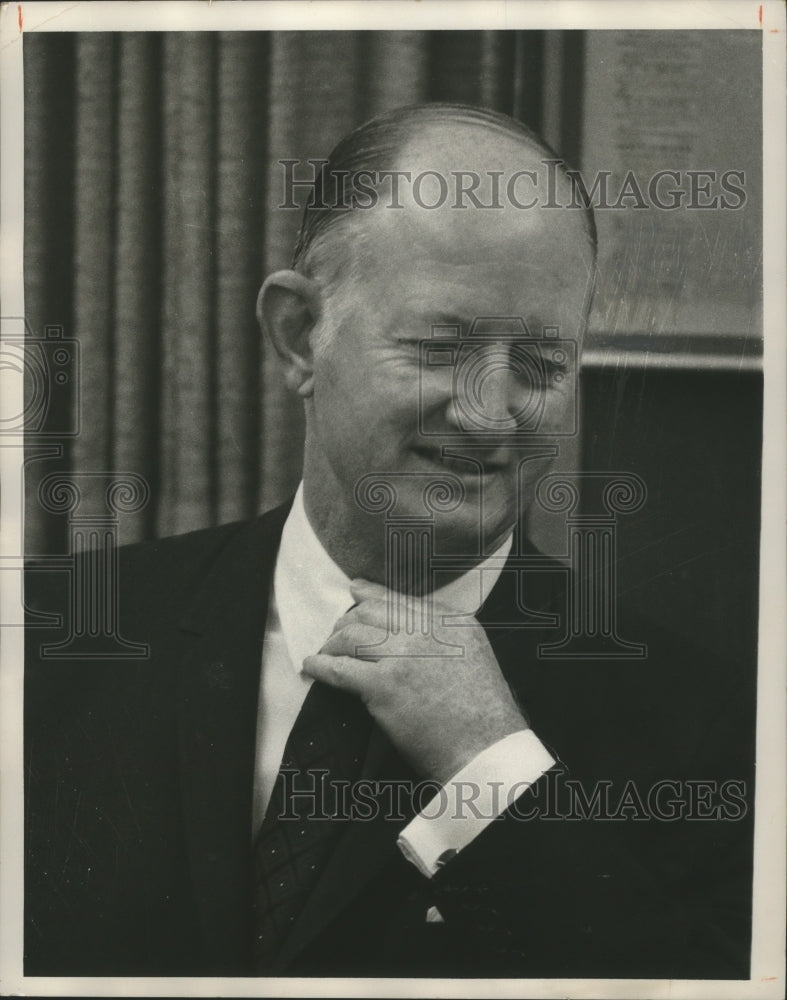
(288, 306)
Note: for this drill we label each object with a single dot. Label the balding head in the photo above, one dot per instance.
(436, 160)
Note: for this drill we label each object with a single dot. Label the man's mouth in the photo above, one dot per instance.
(480, 463)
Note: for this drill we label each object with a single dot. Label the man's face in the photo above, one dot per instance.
(377, 408)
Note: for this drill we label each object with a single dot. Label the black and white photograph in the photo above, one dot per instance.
(393, 455)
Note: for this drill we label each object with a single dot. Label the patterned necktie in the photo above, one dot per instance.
(326, 746)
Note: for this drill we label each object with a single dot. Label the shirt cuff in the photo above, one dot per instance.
(472, 799)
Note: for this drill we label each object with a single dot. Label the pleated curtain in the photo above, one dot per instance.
(151, 217)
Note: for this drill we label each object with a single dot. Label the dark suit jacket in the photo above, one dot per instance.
(139, 781)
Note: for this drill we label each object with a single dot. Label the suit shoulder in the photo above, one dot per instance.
(179, 556)
(151, 568)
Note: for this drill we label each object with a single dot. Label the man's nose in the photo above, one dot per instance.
(487, 397)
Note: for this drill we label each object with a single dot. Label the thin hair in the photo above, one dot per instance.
(376, 145)
(373, 149)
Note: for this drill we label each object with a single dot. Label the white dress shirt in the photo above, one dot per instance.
(309, 594)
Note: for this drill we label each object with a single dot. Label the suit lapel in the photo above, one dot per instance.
(217, 711)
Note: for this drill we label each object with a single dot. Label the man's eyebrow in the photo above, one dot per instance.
(443, 318)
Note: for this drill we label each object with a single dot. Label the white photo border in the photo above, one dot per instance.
(768, 948)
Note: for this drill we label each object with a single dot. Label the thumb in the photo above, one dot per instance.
(343, 672)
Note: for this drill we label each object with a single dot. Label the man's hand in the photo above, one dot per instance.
(439, 711)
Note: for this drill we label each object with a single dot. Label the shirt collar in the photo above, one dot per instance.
(311, 591)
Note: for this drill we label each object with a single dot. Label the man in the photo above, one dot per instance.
(343, 754)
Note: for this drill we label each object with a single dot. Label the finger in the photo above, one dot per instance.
(367, 612)
(341, 672)
(364, 589)
(351, 640)
(379, 600)
(366, 592)
(374, 612)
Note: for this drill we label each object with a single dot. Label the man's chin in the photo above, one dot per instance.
(471, 511)
(472, 532)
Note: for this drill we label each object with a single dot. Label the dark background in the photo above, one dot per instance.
(690, 555)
